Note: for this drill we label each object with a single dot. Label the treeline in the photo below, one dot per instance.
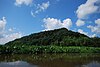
(57, 37)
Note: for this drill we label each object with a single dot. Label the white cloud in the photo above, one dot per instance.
(33, 14)
(97, 22)
(82, 32)
(86, 33)
(7, 36)
(10, 29)
(80, 23)
(25, 2)
(94, 35)
(86, 9)
(67, 23)
(40, 8)
(95, 28)
(52, 23)
(2, 24)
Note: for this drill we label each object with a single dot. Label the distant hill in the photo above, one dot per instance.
(58, 37)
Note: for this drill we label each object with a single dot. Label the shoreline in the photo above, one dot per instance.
(47, 49)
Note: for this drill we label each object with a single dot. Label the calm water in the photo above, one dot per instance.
(50, 60)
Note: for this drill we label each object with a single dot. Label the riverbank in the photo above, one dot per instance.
(47, 49)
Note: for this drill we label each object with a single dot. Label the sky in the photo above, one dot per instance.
(19, 18)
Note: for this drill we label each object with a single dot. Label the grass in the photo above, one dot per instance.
(47, 49)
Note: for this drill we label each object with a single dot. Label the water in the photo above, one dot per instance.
(50, 60)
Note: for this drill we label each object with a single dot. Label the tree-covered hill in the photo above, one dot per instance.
(58, 37)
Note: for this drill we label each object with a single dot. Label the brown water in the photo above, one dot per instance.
(50, 60)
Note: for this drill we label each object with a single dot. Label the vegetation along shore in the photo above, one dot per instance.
(54, 41)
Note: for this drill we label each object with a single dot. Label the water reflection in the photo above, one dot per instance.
(92, 64)
(16, 64)
(50, 60)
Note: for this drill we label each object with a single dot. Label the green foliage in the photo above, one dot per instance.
(47, 49)
(58, 37)
(53, 41)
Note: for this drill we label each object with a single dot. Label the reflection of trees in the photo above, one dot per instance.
(53, 60)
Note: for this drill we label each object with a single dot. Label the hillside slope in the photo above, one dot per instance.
(58, 37)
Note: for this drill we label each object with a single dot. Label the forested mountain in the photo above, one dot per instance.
(58, 37)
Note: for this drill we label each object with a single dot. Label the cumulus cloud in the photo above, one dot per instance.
(67, 23)
(40, 8)
(82, 32)
(88, 8)
(7, 36)
(86, 33)
(25, 2)
(95, 28)
(52, 23)
(80, 22)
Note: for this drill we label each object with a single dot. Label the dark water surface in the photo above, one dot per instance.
(50, 60)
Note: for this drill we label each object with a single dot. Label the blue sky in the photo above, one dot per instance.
(23, 17)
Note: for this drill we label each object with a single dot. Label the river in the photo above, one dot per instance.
(50, 60)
